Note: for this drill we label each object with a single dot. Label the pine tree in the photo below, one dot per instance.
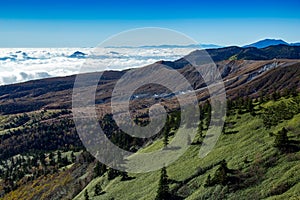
(59, 159)
(208, 181)
(224, 129)
(163, 187)
(51, 159)
(261, 97)
(293, 91)
(42, 158)
(65, 161)
(124, 176)
(166, 138)
(275, 96)
(200, 129)
(73, 157)
(208, 117)
(250, 106)
(98, 189)
(199, 133)
(221, 176)
(136, 120)
(86, 195)
(112, 173)
(99, 169)
(282, 140)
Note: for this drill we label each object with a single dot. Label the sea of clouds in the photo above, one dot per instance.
(24, 64)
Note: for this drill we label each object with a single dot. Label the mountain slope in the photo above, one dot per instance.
(56, 93)
(259, 169)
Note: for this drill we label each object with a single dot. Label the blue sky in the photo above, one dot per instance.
(86, 23)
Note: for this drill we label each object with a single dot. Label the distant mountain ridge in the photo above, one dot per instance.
(202, 46)
(259, 44)
(270, 42)
(239, 53)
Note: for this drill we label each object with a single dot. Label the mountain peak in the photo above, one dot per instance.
(266, 43)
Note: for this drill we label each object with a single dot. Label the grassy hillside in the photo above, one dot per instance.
(262, 171)
(254, 167)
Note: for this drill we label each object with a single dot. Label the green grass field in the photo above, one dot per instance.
(275, 175)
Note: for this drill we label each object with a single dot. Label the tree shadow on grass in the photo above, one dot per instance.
(231, 132)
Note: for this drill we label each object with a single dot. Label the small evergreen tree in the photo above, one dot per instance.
(208, 181)
(208, 117)
(98, 189)
(275, 96)
(51, 156)
(200, 129)
(86, 195)
(282, 140)
(51, 159)
(59, 159)
(199, 135)
(163, 187)
(124, 176)
(224, 129)
(112, 173)
(99, 169)
(166, 138)
(73, 157)
(42, 158)
(293, 91)
(261, 97)
(65, 161)
(221, 176)
(250, 106)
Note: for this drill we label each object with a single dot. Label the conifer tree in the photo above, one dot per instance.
(200, 129)
(282, 140)
(163, 187)
(99, 169)
(73, 157)
(59, 159)
(208, 181)
(112, 173)
(221, 176)
(98, 189)
(124, 176)
(208, 117)
(166, 138)
(86, 195)
(250, 106)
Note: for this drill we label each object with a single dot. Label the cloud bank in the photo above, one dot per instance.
(24, 64)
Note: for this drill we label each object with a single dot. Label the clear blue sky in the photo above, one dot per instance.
(85, 23)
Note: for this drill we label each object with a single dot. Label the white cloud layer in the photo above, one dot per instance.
(19, 65)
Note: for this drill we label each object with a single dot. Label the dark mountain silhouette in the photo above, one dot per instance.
(78, 54)
(295, 44)
(266, 43)
(238, 53)
(270, 42)
(252, 53)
